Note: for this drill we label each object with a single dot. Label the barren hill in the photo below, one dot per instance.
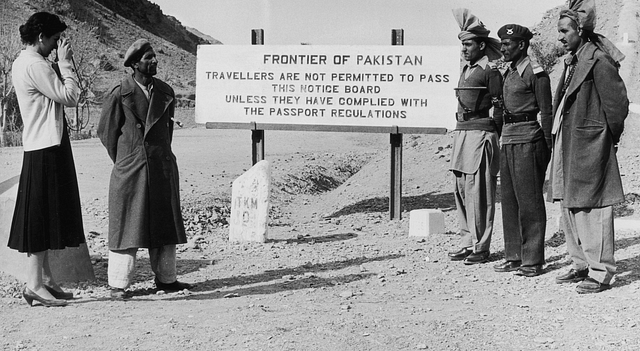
(106, 28)
(150, 17)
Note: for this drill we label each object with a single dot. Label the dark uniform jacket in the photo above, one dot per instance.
(527, 92)
(592, 122)
(144, 195)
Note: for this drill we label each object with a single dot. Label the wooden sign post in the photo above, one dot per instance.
(395, 189)
(257, 135)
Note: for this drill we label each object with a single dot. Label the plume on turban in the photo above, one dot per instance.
(471, 27)
(583, 13)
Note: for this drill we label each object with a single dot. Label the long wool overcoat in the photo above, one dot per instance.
(144, 195)
(592, 123)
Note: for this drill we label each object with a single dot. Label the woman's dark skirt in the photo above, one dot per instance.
(47, 214)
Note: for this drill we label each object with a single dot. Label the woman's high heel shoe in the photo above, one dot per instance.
(60, 295)
(29, 296)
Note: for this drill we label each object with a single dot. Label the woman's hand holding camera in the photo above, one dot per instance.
(64, 49)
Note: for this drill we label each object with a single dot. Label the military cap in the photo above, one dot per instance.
(135, 51)
(515, 31)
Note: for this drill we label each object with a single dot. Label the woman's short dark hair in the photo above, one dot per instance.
(41, 22)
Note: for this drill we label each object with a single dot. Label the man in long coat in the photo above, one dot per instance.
(590, 108)
(136, 128)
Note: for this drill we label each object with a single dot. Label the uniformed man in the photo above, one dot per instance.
(525, 153)
(475, 158)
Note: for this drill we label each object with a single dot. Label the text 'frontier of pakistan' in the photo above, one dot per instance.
(318, 59)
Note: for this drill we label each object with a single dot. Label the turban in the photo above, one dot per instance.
(471, 27)
(135, 51)
(583, 13)
(515, 31)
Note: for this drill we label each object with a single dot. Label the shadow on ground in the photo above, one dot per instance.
(443, 201)
(315, 239)
(286, 279)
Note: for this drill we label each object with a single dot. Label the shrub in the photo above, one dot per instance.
(546, 54)
(13, 138)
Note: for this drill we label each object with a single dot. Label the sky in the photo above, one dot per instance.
(347, 22)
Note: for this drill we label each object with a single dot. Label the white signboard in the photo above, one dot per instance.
(405, 86)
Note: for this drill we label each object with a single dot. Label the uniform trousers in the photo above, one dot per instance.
(524, 217)
(590, 240)
(122, 265)
(475, 196)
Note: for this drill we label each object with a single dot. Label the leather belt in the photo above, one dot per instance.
(520, 117)
(470, 116)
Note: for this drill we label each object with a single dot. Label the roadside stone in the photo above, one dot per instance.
(424, 222)
(250, 204)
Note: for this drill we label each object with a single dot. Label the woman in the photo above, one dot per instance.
(47, 215)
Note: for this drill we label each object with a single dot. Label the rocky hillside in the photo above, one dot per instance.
(102, 30)
(150, 17)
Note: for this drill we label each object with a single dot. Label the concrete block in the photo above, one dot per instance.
(250, 204)
(626, 224)
(426, 221)
(72, 264)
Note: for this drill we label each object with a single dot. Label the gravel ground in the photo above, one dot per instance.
(336, 273)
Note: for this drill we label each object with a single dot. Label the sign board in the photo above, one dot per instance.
(359, 86)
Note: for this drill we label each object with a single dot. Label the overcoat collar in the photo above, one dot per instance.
(585, 63)
(148, 112)
(161, 98)
(133, 98)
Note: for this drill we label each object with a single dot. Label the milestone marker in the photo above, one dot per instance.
(250, 204)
